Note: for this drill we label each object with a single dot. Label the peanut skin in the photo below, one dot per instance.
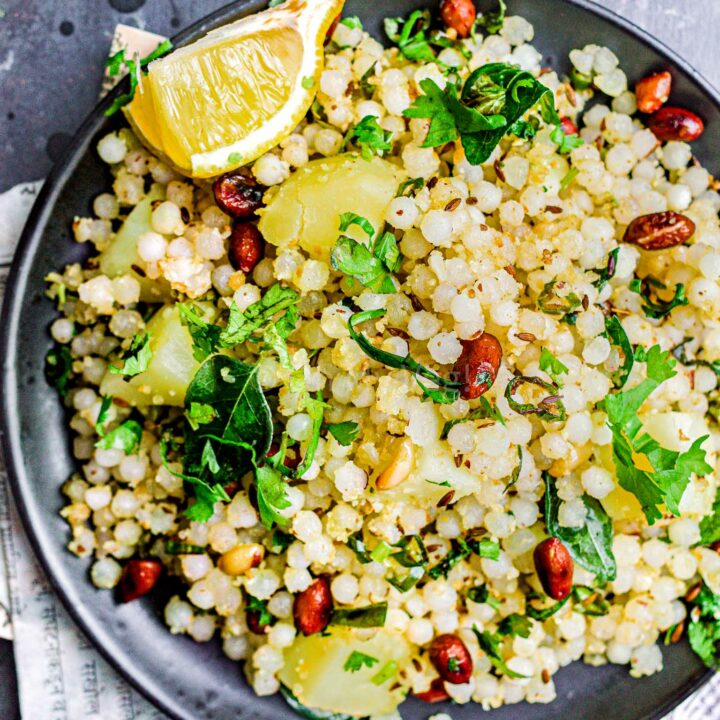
(478, 365)
(451, 659)
(313, 607)
(554, 567)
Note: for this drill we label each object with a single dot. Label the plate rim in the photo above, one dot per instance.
(19, 480)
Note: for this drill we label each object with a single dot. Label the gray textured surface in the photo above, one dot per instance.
(51, 55)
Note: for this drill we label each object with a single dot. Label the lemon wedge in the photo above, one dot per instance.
(227, 98)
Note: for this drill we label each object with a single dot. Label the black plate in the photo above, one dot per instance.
(190, 681)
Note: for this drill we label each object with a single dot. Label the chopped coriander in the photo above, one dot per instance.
(493, 98)
(704, 627)
(411, 35)
(566, 143)
(607, 273)
(542, 614)
(371, 138)
(515, 476)
(137, 358)
(135, 68)
(492, 22)
(125, 437)
(490, 644)
(103, 415)
(386, 672)
(653, 307)
(235, 158)
(411, 184)
(460, 550)
(660, 476)
(255, 605)
(356, 543)
(445, 386)
(369, 265)
(315, 408)
(552, 366)
(515, 625)
(199, 414)
(281, 541)
(344, 432)
(308, 82)
(353, 22)
(357, 660)
(618, 337)
(480, 594)
(179, 548)
(710, 524)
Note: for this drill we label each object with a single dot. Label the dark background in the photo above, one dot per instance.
(51, 65)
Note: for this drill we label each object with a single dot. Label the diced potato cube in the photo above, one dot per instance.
(122, 254)
(314, 671)
(171, 368)
(305, 210)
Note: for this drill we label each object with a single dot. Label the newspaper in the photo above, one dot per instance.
(60, 675)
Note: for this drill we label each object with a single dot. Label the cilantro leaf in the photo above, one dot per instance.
(199, 414)
(371, 138)
(515, 625)
(652, 306)
(344, 432)
(491, 645)
(589, 545)
(492, 22)
(710, 524)
(103, 415)
(255, 605)
(618, 337)
(607, 273)
(704, 627)
(411, 35)
(315, 408)
(670, 471)
(370, 265)
(553, 304)
(271, 496)
(58, 368)
(566, 142)
(552, 366)
(357, 660)
(433, 105)
(205, 335)
(125, 437)
(357, 261)
(137, 358)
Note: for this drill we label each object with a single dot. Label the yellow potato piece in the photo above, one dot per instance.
(171, 368)
(674, 431)
(306, 209)
(314, 672)
(122, 254)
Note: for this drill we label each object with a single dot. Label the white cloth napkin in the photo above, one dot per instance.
(60, 675)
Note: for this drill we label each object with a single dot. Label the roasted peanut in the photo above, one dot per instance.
(246, 246)
(238, 194)
(241, 558)
(138, 578)
(313, 607)
(399, 467)
(554, 567)
(451, 658)
(658, 231)
(653, 91)
(478, 365)
(458, 15)
(674, 123)
(435, 693)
